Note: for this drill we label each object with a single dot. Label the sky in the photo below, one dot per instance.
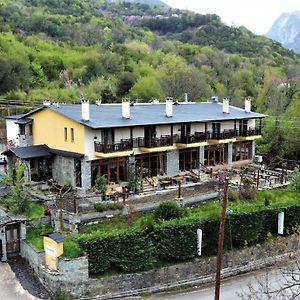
(256, 15)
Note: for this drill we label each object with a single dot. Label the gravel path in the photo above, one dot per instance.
(28, 281)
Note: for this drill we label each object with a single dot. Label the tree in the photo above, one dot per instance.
(147, 88)
(19, 199)
(125, 82)
(295, 180)
(286, 287)
(134, 179)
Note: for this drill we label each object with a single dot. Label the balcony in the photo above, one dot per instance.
(107, 150)
(163, 143)
(223, 137)
(250, 134)
(194, 140)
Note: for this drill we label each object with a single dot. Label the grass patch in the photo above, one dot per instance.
(35, 235)
(279, 198)
(35, 211)
(71, 248)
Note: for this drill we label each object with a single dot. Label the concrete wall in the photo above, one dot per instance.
(91, 136)
(63, 170)
(197, 127)
(138, 132)
(163, 130)
(122, 134)
(251, 123)
(226, 125)
(12, 131)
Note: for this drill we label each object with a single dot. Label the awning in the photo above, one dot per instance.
(23, 121)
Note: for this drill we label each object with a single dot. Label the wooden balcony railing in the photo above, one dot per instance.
(250, 132)
(123, 145)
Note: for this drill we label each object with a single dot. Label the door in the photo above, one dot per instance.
(13, 240)
(216, 129)
(243, 127)
(185, 132)
(150, 135)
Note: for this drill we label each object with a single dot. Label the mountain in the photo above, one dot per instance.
(286, 30)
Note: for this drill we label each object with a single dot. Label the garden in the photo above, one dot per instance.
(168, 235)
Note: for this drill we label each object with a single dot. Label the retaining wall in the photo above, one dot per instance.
(72, 275)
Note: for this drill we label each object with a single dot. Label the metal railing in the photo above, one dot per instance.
(250, 132)
(164, 140)
(197, 137)
(226, 134)
(123, 145)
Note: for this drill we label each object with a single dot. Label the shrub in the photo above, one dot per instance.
(168, 210)
(100, 184)
(248, 193)
(268, 198)
(233, 194)
(100, 206)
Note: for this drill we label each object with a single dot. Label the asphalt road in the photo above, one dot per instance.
(233, 288)
(10, 287)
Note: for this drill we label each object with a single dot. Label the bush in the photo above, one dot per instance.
(168, 210)
(103, 206)
(248, 193)
(233, 194)
(268, 198)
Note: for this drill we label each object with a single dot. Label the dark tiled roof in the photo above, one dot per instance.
(10, 219)
(29, 152)
(23, 121)
(56, 237)
(39, 151)
(66, 153)
(15, 117)
(105, 116)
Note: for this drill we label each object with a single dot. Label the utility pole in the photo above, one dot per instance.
(221, 240)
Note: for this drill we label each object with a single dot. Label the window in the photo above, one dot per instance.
(72, 135)
(66, 134)
(22, 129)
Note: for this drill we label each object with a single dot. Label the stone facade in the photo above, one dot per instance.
(172, 164)
(229, 154)
(63, 170)
(201, 155)
(86, 174)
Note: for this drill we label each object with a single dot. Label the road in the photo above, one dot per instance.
(10, 287)
(233, 288)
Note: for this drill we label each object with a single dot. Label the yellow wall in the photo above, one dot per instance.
(48, 128)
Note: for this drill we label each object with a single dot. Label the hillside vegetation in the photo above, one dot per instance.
(64, 50)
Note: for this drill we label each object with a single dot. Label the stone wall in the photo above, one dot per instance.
(172, 165)
(63, 170)
(72, 275)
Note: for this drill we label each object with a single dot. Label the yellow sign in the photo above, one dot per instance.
(53, 250)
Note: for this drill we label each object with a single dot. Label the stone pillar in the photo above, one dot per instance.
(201, 155)
(86, 177)
(172, 165)
(253, 149)
(3, 242)
(229, 154)
(27, 173)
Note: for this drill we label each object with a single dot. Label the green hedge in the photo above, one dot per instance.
(175, 240)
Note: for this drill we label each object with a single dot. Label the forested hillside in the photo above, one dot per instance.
(67, 49)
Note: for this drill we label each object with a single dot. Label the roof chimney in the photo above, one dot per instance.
(98, 102)
(215, 99)
(155, 101)
(85, 110)
(186, 97)
(169, 107)
(247, 105)
(126, 109)
(226, 106)
(46, 102)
